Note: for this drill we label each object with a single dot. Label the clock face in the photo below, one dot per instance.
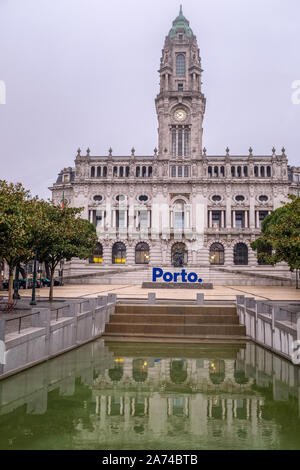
(180, 115)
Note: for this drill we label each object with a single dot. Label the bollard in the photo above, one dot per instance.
(240, 299)
(200, 299)
(111, 298)
(250, 302)
(102, 300)
(151, 298)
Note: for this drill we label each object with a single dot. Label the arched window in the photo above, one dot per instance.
(137, 171)
(233, 171)
(139, 370)
(104, 171)
(121, 171)
(92, 171)
(239, 171)
(174, 142)
(240, 254)
(127, 171)
(217, 371)
(173, 171)
(142, 253)
(179, 149)
(116, 373)
(256, 171)
(216, 254)
(144, 172)
(98, 171)
(179, 172)
(245, 171)
(186, 142)
(216, 171)
(262, 171)
(178, 371)
(115, 171)
(180, 65)
(268, 171)
(119, 253)
(222, 171)
(209, 171)
(150, 171)
(179, 254)
(97, 256)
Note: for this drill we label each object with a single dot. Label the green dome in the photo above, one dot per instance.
(180, 23)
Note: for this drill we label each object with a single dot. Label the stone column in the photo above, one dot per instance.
(210, 218)
(233, 219)
(252, 213)
(228, 213)
(257, 219)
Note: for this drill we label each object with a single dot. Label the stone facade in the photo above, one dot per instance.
(206, 207)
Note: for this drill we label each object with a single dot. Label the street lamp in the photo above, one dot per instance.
(33, 302)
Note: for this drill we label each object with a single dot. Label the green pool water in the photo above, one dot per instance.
(154, 396)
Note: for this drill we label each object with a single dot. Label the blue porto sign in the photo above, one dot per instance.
(182, 276)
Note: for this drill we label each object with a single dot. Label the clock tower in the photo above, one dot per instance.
(180, 104)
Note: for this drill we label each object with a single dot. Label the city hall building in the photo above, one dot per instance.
(205, 209)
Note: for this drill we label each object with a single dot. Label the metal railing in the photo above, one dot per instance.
(57, 311)
(19, 319)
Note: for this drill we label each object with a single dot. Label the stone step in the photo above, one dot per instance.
(174, 319)
(175, 329)
(146, 309)
(123, 348)
(171, 338)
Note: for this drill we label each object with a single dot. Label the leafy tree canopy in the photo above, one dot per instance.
(281, 233)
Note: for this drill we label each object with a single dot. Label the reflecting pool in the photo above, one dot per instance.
(154, 396)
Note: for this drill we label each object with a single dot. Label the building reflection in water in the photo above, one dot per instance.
(147, 397)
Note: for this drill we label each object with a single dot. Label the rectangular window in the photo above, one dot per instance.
(240, 219)
(186, 143)
(179, 219)
(262, 215)
(180, 171)
(180, 86)
(179, 143)
(173, 171)
(174, 142)
(186, 171)
(143, 219)
(121, 219)
(216, 219)
(98, 218)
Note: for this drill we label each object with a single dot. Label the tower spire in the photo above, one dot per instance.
(180, 10)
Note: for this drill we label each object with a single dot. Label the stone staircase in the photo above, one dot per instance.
(186, 323)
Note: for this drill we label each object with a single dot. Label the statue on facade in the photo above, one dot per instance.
(178, 258)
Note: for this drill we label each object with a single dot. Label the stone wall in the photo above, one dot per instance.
(275, 326)
(81, 321)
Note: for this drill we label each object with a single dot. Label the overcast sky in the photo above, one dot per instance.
(82, 73)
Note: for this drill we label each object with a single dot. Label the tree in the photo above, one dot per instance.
(16, 219)
(60, 234)
(281, 233)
